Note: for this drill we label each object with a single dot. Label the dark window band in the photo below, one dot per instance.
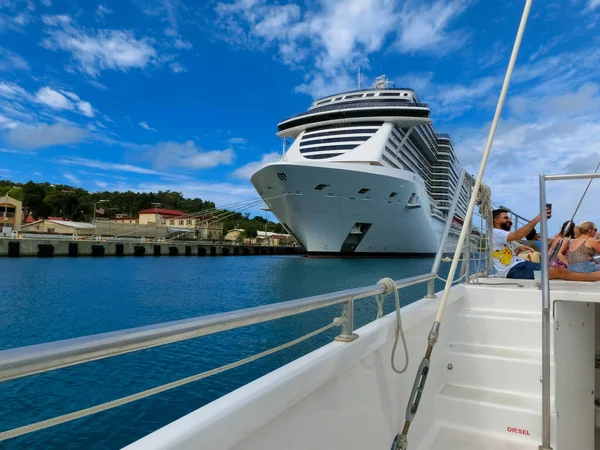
(323, 155)
(329, 147)
(304, 143)
(335, 133)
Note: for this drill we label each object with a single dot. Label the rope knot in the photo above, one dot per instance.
(338, 321)
(389, 284)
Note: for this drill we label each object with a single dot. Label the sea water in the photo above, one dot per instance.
(59, 298)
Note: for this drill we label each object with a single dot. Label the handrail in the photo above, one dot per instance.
(546, 302)
(24, 361)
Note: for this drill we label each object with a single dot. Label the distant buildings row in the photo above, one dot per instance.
(149, 223)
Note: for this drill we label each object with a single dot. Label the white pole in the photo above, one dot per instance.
(484, 160)
(359, 78)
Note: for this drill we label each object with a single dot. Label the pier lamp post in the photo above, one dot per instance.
(95, 206)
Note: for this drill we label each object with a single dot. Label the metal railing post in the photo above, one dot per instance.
(545, 320)
(430, 289)
(348, 334)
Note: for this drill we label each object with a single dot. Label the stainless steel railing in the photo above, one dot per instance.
(23, 361)
(546, 303)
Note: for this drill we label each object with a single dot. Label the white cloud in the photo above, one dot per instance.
(182, 44)
(12, 90)
(338, 36)
(177, 67)
(322, 85)
(32, 137)
(247, 170)
(186, 154)
(5, 122)
(145, 126)
(237, 140)
(101, 184)
(11, 61)
(593, 4)
(53, 99)
(46, 2)
(85, 108)
(102, 11)
(72, 178)
(424, 27)
(104, 49)
(108, 166)
(14, 15)
(63, 100)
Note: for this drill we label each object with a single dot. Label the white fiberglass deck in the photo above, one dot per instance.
(483, 390)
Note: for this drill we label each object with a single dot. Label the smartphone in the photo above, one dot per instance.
(549, 206)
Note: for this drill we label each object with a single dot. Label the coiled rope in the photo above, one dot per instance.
(338, 321)
(484, 201)
(390, 286)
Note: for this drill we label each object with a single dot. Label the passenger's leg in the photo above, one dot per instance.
(560, 273)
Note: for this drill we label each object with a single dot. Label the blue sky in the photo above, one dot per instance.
(147, 95)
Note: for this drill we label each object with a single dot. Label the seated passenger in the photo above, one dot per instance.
(566, 233)
(507, 263)
(531, 240)
(583, 248)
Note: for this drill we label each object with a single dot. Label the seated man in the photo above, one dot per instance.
(509, 265)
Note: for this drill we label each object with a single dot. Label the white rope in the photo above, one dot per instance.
(390, 286)
(338, 321)
(379, 298)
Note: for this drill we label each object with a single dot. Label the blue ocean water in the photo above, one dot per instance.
(50, 299)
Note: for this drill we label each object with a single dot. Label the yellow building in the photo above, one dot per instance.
(10, 214)
(59, 226)
(233, 235)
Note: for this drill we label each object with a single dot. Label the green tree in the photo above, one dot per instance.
(33, 198)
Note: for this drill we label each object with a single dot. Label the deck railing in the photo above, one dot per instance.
(35, 359)
(546, 303)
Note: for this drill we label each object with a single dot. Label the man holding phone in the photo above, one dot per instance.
(506, 262)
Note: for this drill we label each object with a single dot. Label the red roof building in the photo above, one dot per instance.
(163, 212)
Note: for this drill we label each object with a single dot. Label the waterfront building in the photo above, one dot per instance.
(57, 225)
(233, 235)
(157, 216)
(10, 214)
(125, 219)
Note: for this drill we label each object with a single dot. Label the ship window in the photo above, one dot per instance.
(339, 98)
(405, 94)
(393, 194)
(323, 102)
(354, 96)
(390, 94)
(364, 191)
(370, 95)
(320, 187)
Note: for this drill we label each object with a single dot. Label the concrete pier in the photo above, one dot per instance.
(10, 247)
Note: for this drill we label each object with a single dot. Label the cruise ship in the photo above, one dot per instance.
(366, 174)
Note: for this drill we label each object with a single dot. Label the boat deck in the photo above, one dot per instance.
(483, 392)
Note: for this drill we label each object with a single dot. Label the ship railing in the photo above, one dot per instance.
(359, 104)
(36, 359)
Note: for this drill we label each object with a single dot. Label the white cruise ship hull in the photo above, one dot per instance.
(338, 219)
